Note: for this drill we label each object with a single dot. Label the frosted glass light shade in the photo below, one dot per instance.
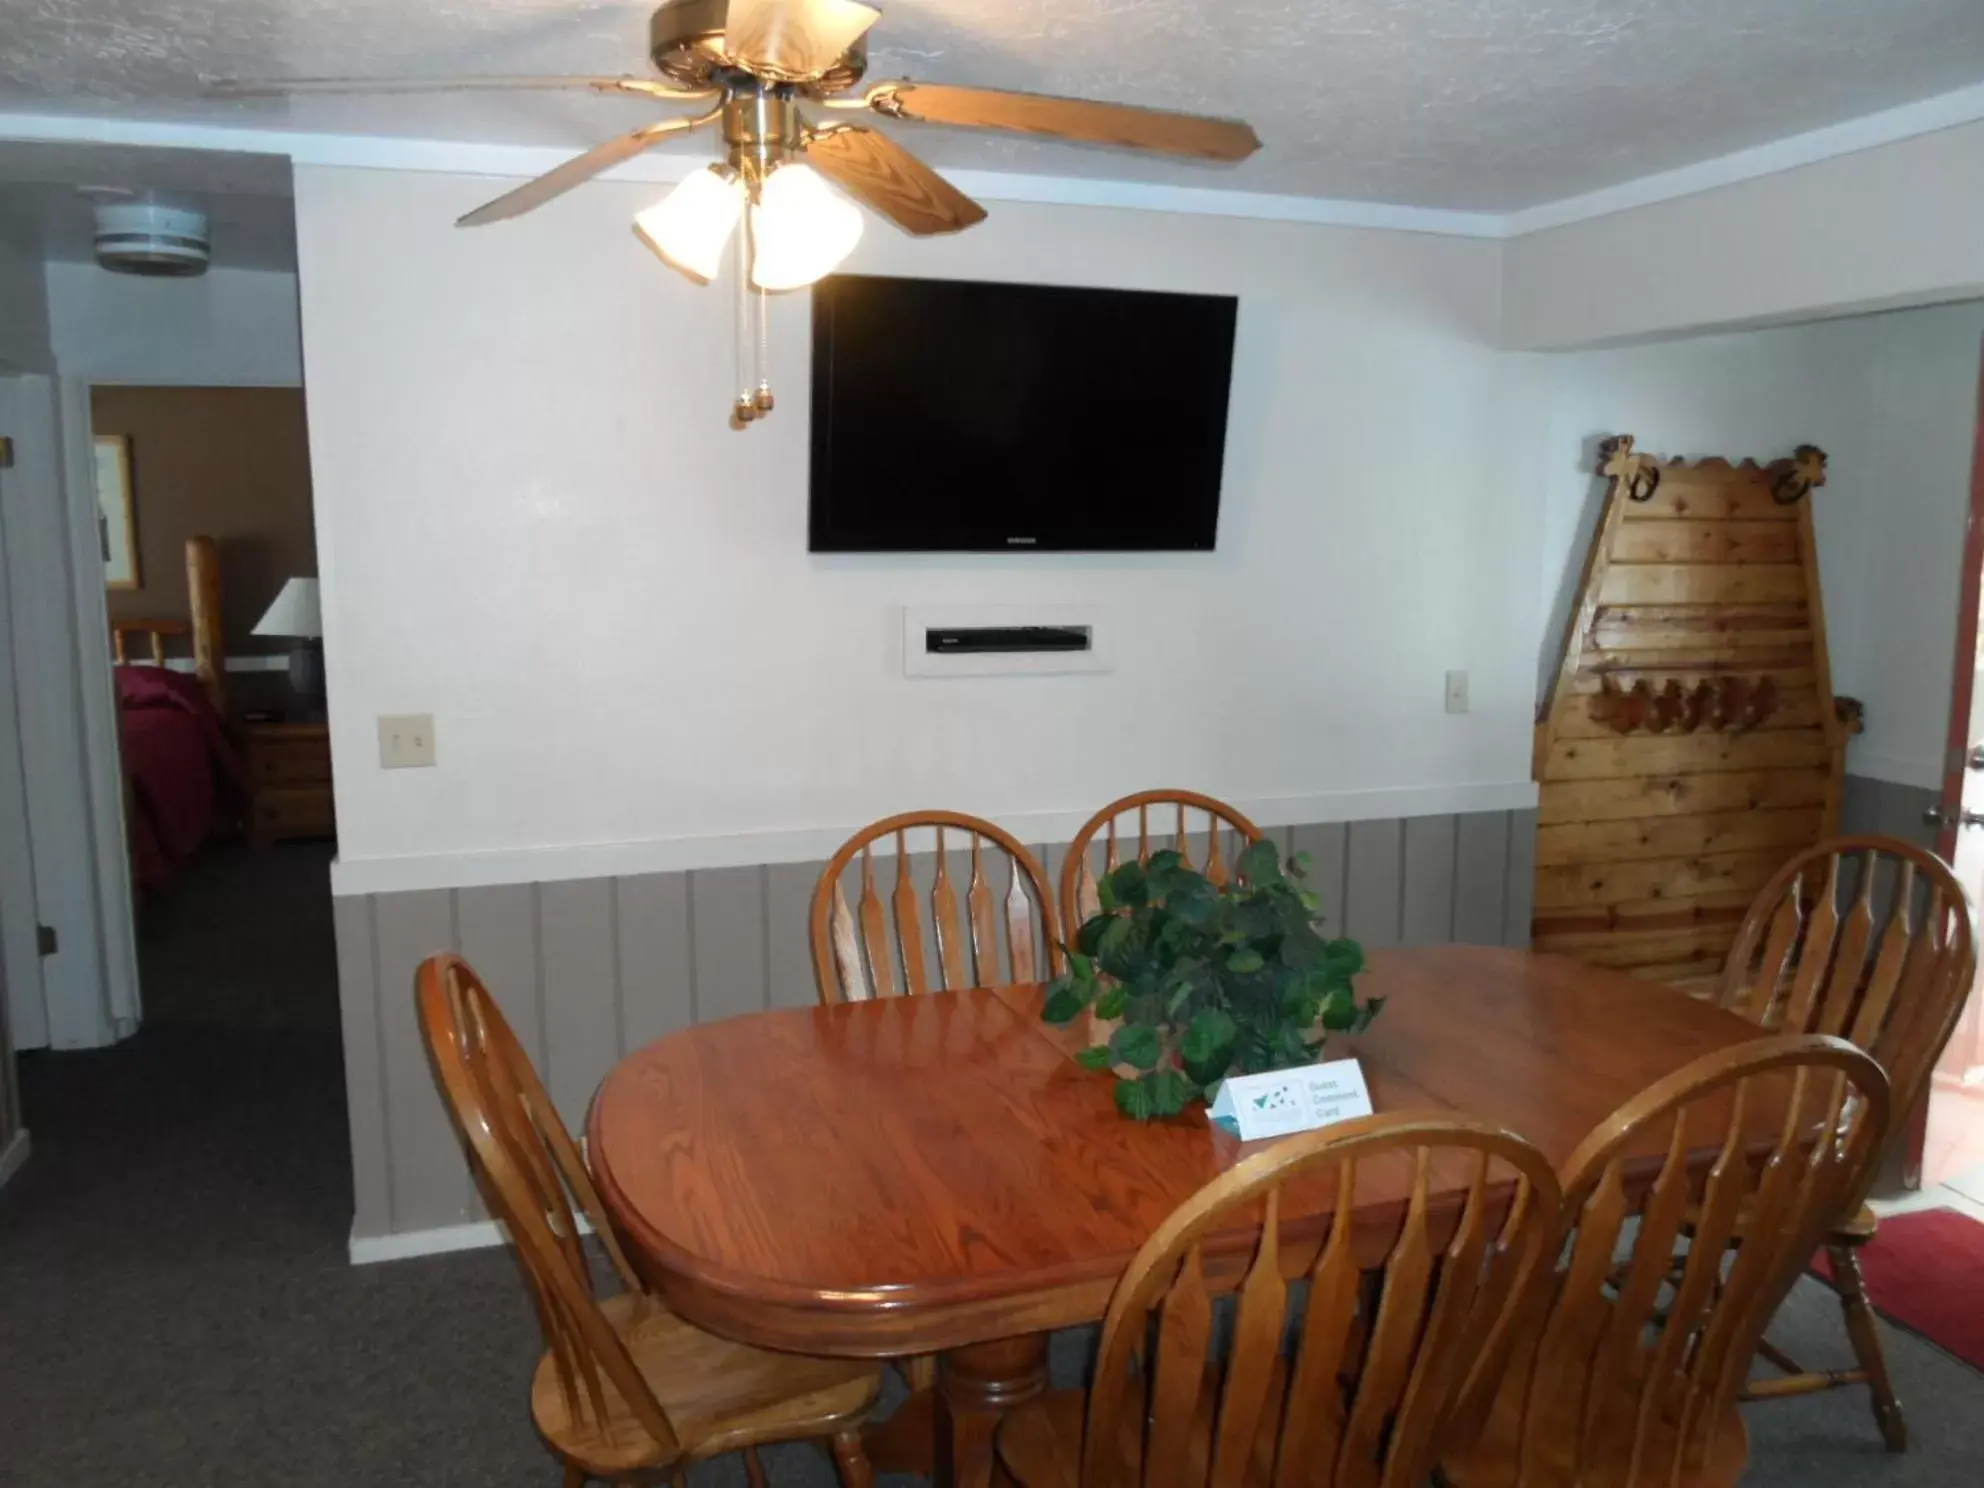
(688, 227)
(295, 613)
(801, 229)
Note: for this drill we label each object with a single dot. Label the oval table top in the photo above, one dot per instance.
(923, 1173)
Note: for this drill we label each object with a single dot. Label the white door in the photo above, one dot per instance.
(20, 959)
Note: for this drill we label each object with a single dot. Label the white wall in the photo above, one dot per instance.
(1892, 399)
(1899, 224)
(23, 309)
(534, 522)
(227, 328)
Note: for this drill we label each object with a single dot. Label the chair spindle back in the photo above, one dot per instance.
(1209, 834)
(1002, 928)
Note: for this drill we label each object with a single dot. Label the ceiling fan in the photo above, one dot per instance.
(760, 64)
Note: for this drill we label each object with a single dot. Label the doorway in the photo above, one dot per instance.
(1949, 1135)
(163, 613)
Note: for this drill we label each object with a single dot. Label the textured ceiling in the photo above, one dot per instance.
(246, 197)
(1485, 104)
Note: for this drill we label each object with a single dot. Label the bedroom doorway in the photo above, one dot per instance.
(210, 583)
(188, 1064)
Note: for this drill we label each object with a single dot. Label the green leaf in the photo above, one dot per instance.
(1300, 864)
(1133, 1099)
(1105, 894)
(1110, 945)
(1127, 881)
(1112, 1002)
(1245, 961)
(1137, 1045)
(1169, 1090)
(1260, 863)
(1210, 1033)
(1090, 935)
(1095, 1057)
(1064, 1003)
(1345, 957)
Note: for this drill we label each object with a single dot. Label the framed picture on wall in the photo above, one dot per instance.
(116, 512)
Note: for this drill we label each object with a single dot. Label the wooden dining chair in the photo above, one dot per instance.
(627, 1392)
(1630, 1378)
(1870, 938)
(1180, 818)
(1390, 1323)
(1002, 931)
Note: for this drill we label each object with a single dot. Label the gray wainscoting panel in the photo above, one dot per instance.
(1374, 883)
(364, 1062)
(587, 970)
(657, 975)
(428, 1183)
(1887, 807)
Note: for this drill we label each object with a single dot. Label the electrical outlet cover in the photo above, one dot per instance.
(406, 740)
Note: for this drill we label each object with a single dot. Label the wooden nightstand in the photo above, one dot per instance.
(289, 766)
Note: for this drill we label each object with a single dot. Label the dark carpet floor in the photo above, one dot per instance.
(176, 1307)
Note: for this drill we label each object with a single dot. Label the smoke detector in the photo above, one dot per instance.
(143, 235)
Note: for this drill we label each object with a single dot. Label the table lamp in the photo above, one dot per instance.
(296, 615)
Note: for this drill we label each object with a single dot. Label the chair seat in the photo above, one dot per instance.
(1040, 1444)
(718, 1394)
(1493, 1460)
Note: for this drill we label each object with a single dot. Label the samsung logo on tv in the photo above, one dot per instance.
(1021, 542)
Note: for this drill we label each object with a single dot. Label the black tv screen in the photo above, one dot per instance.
(951, 416)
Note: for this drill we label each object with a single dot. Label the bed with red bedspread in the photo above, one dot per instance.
(184, 782)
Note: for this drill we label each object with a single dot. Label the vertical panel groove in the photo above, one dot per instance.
(695, 972)
(765, 933)
(1453, 885)
(379, 1038)
(613, 954)
(537, 973)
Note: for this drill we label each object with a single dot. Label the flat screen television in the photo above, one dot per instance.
(952, 416)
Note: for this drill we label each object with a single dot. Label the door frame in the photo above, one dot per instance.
(1957, 739)
(1957, 736)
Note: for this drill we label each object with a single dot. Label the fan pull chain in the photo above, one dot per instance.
(745, 408)
(761, 394)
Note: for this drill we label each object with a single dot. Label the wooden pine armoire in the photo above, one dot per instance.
(1691, 743)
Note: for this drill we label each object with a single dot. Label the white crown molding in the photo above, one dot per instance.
(1928, 116)
(468, 870)
(460, 157)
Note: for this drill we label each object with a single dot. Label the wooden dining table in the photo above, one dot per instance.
(937, 1174)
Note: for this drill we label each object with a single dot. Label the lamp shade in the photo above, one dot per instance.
(295, 612)
(801, 228)
(689, 227)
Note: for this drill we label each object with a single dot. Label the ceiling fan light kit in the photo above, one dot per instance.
(763, 60)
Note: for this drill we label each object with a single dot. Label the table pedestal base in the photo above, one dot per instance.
(947, 1432)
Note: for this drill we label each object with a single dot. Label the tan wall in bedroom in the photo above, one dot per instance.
(233, 463)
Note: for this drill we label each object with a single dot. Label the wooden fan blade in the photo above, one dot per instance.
(1067, 118)
(299, 87)
(794, 38)
(880, 173)
(578, 170)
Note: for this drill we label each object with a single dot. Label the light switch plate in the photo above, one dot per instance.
(405, 740)
(1456, 692)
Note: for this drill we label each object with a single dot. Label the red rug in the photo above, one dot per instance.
(1926, 1271)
